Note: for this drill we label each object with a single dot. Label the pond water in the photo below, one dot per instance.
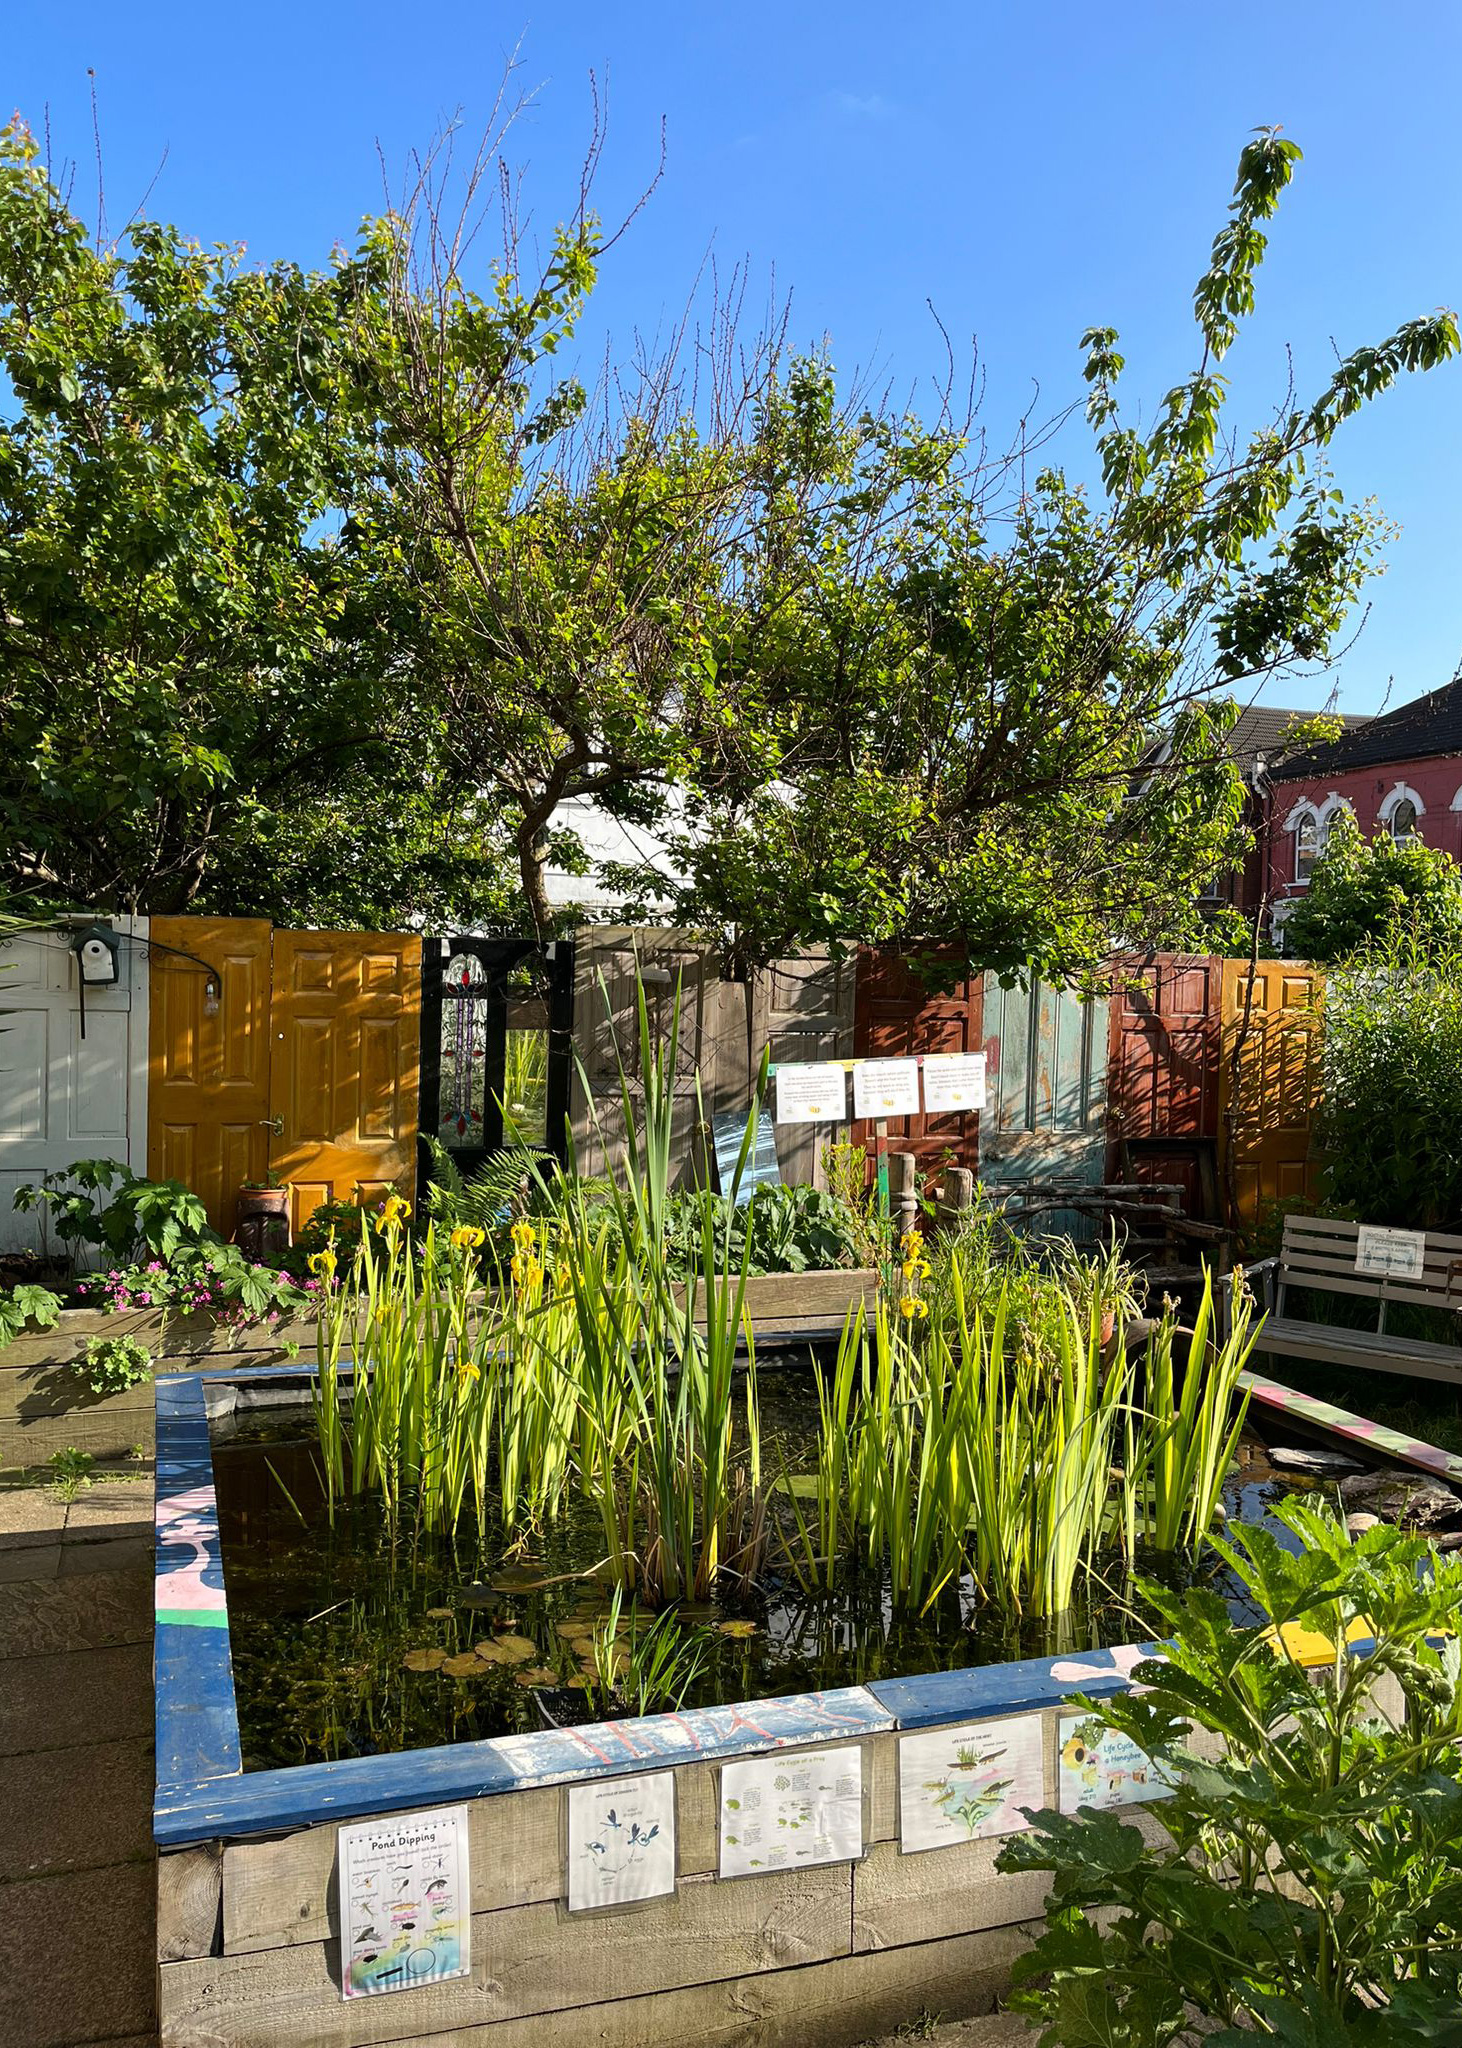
(321, 1619)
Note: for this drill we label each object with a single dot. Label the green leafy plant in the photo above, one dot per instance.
(1390, 1121)
(1311, 1888)
(27, 1303)
(103, 1203)
(646, 1666)
(1364, 893)
(112, 1364)
(71, 1471)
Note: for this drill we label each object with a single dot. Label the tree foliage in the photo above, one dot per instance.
(1363, 892)
(323, 592)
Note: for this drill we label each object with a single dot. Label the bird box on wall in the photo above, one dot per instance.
(98, 952)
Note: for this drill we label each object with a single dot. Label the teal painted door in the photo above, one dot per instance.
(1045, 1104)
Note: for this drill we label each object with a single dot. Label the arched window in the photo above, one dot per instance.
(1307, 848)
(1402, 822)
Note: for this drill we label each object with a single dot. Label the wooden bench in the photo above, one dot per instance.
(1319, 1254)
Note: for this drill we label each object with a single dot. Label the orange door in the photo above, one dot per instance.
(208, 1056)
(344, 1063)
(1269, 1086)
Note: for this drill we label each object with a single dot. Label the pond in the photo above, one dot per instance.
(327, 1622)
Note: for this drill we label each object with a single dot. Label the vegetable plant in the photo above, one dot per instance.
(1310, 1891)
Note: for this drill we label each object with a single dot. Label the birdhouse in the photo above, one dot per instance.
(98, 953)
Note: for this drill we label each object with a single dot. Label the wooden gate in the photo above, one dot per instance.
(1269, 1081)
(65, 1097)
(288, 1052)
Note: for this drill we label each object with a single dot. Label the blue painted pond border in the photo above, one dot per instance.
(204, 1792)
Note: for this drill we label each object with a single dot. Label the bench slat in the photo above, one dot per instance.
(1323, 1344)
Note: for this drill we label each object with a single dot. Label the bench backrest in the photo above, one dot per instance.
(1320, 1251)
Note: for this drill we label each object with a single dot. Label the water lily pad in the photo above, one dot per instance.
(737, 1628)
(516, 1649)
(573, 1631)
(424, 1660)
(466, 1666)
(516, 1578)
(439, 1613)
(538, 1675)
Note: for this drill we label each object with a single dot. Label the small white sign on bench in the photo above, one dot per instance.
(1390, 1254)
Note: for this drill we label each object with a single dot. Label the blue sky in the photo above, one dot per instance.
(1030, 169)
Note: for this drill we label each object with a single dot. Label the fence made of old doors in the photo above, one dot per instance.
(1269, 1084)
(1045, 1091)
(208, 1098)
(344, 1025)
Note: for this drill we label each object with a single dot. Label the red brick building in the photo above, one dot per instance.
(1400, 773)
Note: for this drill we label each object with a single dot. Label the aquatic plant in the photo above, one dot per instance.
(646, 1667)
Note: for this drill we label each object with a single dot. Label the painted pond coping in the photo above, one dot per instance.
(203, 1790)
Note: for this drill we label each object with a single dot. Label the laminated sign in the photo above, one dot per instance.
(814, 1093)
(953, 1081)
(405, 1902)
(1401, 1254)
(883, 1088)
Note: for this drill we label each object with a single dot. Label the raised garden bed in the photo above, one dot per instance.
(249, 1930)
(44, 1407)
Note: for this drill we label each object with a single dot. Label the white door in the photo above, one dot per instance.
(64, 1097)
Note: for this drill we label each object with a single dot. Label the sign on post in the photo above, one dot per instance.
(884, 1088)
(815, 1092)
(1391, 1254)
(953, 1081)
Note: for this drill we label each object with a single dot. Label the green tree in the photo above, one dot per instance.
(1362, 892)
(198, 685)
(997, 720)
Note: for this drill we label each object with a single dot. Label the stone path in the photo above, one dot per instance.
(76, 1856)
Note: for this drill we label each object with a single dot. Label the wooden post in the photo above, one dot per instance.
(903, 1190)
(956, 1196)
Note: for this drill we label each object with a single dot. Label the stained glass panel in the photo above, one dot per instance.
(464, 1073)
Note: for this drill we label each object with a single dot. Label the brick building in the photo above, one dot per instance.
(1400, 773)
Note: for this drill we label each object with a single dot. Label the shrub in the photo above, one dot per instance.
(1311, 1890)
(1391, 1096)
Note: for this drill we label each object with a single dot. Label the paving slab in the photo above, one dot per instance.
(76, 1958)
(29, 1514)
(77, 1809)
(105, 1554)
(112, 1505)
(66, 1701)
(92, 1610)
(30, 1561)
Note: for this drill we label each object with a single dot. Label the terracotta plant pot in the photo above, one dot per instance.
(262, 1219)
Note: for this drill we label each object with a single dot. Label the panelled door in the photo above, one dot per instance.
(344, 1063)
(288, 1052)
(208, 1091)
(1045, 1091)
(1269, 1085)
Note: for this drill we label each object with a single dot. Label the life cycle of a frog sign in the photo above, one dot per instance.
(942, 1084)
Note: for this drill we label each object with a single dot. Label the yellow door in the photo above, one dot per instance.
(1269, 1087)
(208, 1056)
(344, 1062)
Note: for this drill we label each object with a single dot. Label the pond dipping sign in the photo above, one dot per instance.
(405, 1902)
